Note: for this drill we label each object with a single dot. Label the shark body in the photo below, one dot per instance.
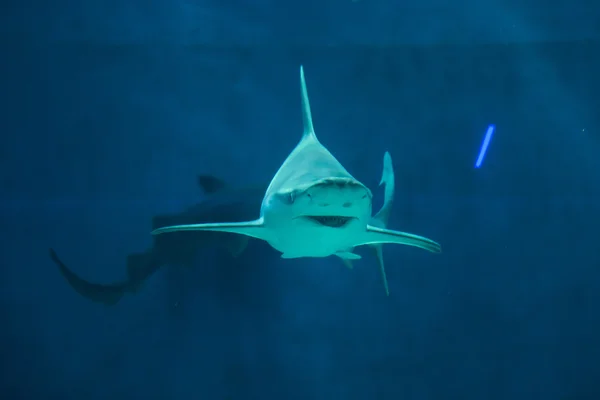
(313, 206)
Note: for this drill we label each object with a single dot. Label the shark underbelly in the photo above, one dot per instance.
(305, 239)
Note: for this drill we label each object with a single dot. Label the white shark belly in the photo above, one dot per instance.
(306, 239)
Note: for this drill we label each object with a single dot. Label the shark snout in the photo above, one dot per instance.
(339, 194)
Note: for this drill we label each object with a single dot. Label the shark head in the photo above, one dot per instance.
(332, 203)
(319, 217)
(313, 206)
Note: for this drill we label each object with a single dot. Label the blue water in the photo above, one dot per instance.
(110, 110)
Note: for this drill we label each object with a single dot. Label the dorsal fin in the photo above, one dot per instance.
(309, 130)
(210, 184)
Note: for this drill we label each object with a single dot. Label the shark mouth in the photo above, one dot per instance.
(332, 221)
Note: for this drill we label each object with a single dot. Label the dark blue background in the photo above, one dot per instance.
(110, 109)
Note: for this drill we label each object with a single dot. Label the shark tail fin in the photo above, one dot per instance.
(236, 244)
(378, 249)
(107, 294)
(381, 219)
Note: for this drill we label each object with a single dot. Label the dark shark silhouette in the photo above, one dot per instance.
(221, 204)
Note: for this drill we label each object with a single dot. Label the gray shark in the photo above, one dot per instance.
(221, 203)
(313, 206)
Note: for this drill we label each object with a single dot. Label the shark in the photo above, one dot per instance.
(313, 207)
(221, 201)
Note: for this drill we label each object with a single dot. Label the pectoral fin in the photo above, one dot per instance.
(347, 255)
(236, 245)
(375, 235)
(255, 229)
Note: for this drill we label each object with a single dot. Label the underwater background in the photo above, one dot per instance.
(111, 109)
